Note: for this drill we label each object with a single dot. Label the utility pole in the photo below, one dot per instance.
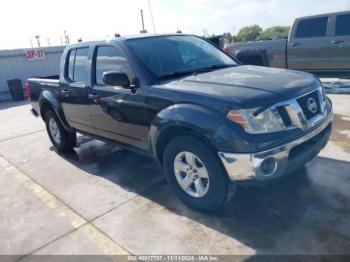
(66, 38)
(31, 42)
(38, 40)
(233, 30)
(205, 32)
(143, 31)
(48, 42)
(61, 40)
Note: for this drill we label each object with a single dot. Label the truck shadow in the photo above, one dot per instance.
(8, 104)
(257, 217)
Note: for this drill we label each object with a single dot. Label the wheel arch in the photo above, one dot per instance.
(47, 101)
(184, 119)
(170, 132)
(247, 56)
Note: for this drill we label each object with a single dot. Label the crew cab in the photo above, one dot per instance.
(212, 123)
(318, 44)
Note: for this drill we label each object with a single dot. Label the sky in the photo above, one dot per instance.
(22, 20)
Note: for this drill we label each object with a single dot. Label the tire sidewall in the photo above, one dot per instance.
(64, 138)
(218, 181)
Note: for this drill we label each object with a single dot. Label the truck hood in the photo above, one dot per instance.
(249, 86)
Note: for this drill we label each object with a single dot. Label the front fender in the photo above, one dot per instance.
(48, 98)
(203, 121)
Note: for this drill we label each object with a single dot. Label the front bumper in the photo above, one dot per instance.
(278, 161)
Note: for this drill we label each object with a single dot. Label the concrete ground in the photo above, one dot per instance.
(101, 200)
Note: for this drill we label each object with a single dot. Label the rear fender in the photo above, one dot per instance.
(47, 98)
(246, 55)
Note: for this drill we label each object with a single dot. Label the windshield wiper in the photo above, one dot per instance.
(195, 71)
(177, 74)
(214, 67)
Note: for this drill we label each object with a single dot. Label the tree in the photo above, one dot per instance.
(275, 31)
(249, 33)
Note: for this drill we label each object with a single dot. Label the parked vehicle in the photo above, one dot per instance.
(317, 44)
(212, 123)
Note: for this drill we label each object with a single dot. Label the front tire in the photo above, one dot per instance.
(195, 174)
(62, 139)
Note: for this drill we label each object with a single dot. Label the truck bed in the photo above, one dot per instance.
(36, 86)
(274, 52)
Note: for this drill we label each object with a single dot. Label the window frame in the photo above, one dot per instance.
(86, 65)
(94, 60)
(335, 25)
(67, 67)
(66, 74)
(312, 18)
(154, 78)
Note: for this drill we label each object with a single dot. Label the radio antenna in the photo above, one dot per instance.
(150, 9)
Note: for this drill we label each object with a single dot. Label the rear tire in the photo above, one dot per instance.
(62, 139)
(196, 174)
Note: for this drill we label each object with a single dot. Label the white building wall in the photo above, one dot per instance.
(14, 64)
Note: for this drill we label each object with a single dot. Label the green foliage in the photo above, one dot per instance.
(272, 32)
(249, 33)
(254, 32)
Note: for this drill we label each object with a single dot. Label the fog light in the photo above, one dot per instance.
(268, 166)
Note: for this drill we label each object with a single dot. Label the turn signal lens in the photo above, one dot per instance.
(235, 116)
(27, 88)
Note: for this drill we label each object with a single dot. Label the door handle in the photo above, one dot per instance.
(93, 97)
(337, 42)
(65, 92)
(294, 44)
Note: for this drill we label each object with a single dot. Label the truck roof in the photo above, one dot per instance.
(326, 14)
(127, 37)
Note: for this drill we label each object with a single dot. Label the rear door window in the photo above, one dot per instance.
(342, 25)
(70, 71)
(81, 60)
(314, 27)
(77, 62)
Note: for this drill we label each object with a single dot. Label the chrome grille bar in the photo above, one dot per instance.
(297, 115)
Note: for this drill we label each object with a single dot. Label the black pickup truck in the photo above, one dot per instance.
(211, 122)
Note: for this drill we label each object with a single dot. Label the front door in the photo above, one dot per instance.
(116, 112)
(74, 92)
(308, 46)
(340, 43)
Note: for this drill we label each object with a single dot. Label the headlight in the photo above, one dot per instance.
(263, 122)
(323, 94)
(322, 91)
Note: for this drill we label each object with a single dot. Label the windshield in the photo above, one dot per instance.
(172, 55)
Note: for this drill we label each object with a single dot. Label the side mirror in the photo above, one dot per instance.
(116, 79)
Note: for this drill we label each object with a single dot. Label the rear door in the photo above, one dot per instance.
(74, 90)
(340, 43)
(308, 47)
(117, 113)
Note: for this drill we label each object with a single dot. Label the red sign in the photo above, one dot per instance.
(35, 54)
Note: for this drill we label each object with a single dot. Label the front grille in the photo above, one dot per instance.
(284, 115)
(304, 104)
